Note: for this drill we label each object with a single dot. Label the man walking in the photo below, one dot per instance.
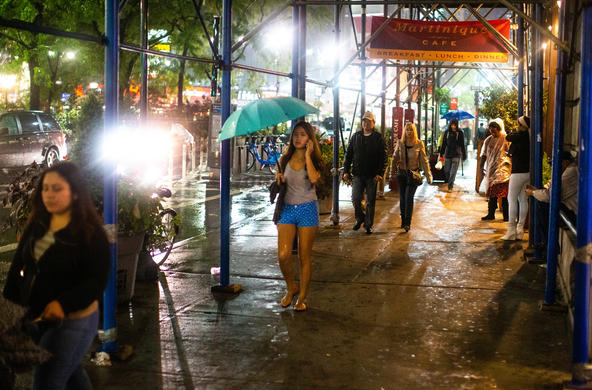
(366, 152)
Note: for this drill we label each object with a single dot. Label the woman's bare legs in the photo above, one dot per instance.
(306, 237)
(286, 234)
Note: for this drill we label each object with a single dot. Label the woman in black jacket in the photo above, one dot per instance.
(59, 272)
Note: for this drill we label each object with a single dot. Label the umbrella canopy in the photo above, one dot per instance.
(457, 114)
(263, 113)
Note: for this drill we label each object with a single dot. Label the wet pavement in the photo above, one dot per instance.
(446, 305)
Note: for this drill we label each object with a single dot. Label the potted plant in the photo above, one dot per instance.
(325, 188)
(139, 209)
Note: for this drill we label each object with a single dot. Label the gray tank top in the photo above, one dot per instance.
(300, 189)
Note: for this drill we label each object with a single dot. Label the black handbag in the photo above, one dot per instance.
(277, 191)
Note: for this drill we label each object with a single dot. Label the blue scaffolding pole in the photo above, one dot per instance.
(336, 125)
(559, 119)
(225, 148)
(110, 178)
(584, 223)
(537, 133)
(520, 46)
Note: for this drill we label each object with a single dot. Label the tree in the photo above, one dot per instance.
(498, 102)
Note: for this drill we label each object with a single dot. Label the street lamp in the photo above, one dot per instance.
(7, 82)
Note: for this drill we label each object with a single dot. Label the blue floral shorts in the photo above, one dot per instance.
(301, 215)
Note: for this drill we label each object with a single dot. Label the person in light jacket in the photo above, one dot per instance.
(409, 155)
(499, 167)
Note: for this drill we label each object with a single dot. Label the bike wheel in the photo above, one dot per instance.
(169, 234)
(250, 160)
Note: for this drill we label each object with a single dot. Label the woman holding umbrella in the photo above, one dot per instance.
(301, 165)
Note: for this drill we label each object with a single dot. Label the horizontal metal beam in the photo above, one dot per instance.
(264, 23)
(503, 40)
(563, 45)
(135, 49)
(363, 47)
(486, 3)
(34, 28)
(395, 65)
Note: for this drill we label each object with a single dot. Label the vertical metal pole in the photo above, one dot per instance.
(225, 148)
(144, 61)
(302, 50)
(295, 51)
(110, 178)
(425, 106)
(538, 125)
(584, 224)
(520, 46)
(383, 94)
(336, 123)
(363, 64)
(552, 239)
(419, 100)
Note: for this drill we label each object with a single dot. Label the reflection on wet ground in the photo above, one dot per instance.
(447, 305)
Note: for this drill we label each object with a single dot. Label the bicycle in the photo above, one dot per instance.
(159, 243)
(254, 153)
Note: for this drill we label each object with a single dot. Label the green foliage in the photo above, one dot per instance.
(501, 103)
(547, 168)
(442, 95)
(325, 188)
(18, 198)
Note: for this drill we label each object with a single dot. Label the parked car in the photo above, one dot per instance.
(28, 136)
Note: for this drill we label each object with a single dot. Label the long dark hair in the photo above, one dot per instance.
(317, 161)
(84, 218)
(453, 122)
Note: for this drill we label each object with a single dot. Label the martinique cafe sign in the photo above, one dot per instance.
(416, 40)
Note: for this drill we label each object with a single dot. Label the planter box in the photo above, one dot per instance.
(128, 249)
(326, 204)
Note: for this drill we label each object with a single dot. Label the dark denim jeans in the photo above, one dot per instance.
(450, 168)
(67, 341)
(359, 185)
(406, 194)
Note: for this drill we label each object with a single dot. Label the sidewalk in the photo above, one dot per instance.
(447, 305)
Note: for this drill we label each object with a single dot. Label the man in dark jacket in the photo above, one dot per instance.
(453, 149)
(367, 153)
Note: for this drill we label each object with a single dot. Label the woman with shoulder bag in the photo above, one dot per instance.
(300, 169)
(408, 158)
(59, 272)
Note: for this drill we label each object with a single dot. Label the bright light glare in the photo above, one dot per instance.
(70, 55)
(544, 45)
(141, 153)
(7, 81)
(278, 37)
(559, 3)
(93, 85)
(51, 53)
(550, 28)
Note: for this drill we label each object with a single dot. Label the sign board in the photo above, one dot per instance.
(454, 103)
(409, 115)
(438, 41)
(398, 121)
(214, 132)
(443, 108)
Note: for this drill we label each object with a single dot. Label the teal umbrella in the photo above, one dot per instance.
(263, 113)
